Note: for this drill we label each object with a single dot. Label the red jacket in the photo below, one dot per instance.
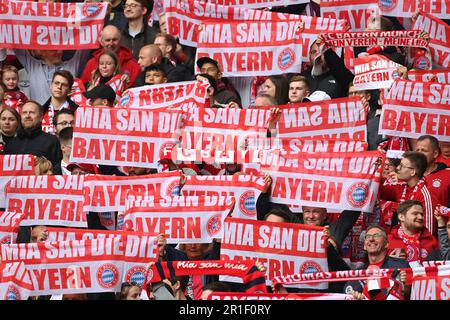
(393, 192)
(438, 183)
(127, 64)
(428, 242)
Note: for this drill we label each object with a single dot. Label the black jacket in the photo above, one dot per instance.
(325, 82)
(146, 36)
(36, 142)
(72, 105)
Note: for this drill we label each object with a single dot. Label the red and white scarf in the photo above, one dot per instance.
(413, 247)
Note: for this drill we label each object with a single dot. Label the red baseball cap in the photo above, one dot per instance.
(87, 167)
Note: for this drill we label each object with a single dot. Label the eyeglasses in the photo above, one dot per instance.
(66, 123)
(132, 5)
(373, 236)
(401, 166)
(64, 85)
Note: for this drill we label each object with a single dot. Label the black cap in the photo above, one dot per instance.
(203, 60)
(102, 91)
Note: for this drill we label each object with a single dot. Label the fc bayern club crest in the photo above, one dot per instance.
(6, 240)
(310, 266)
(12, 293)
(286, 59)
(173, 189)
(91, 9)
(358, 194)
(387, 5)
(165, 150)
(126, 100)
(107, 275)
(214, 225)
(247, 203)
(136, 274)
(436, 183)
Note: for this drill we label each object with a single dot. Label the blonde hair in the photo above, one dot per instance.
(41, 166)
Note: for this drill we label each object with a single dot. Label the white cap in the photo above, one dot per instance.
(317, 96)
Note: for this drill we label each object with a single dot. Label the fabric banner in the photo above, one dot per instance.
(48, 200)
(53, 25)
(223, 129)
(404, 38)
(65, 234)
(440, 75)
(282, 247)
(412, 109)
(83, 266)
(431, 288)
(246, 270)
(278, 296)
(406, 8)
(180, 94)
(343, 118)
(258, 3)
(9, 226)
(244, 188)
(108, 193)
(184, 18)
(439, 33)
(356, 12)
(294, 145)
(190, 219)
(345, 181)
(374, 72)
(12, 166)
(257, 48)
(123, 137)
(15, 281)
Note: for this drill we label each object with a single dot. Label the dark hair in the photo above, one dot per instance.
(60, 112)
(217, 287)
(376, 226)
(66, 134)
(394, 161)
(155, 67)
(418, 161)
(404, 206)
(143, 3)
(14, 113)
(281, 89)
(126, 286)
(171, 41)
(433, 141)
(184, 281)
(65, 74)
(279, 213)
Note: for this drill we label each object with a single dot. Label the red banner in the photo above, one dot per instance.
(9, 226)
(343, 118)
(82, 266)
(258, 3)
(184, 18)
(346, 181)
(412, 109)
(356, 12)
(108, 193)
(431, 288)
(374, 72)
(244, 188)
(15, 281)
(258, 48)
(48, 200)
(403, 38)
(439, 33)
(281, 247)
(278, 296)
(181, 94)
(181, 219)
(123, 137)
(406, 8)
(295, 145)
(222, 129)
(12, 166)
(65, 234)
(440, 75)
(50, 25)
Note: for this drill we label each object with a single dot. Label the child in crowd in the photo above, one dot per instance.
(13, 97)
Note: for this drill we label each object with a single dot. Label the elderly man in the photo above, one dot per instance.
(110, 39)
(31, 139)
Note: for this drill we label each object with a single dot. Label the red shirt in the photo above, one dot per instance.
(14, 99)
(438, 183)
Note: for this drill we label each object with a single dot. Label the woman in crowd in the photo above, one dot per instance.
(9, 125)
